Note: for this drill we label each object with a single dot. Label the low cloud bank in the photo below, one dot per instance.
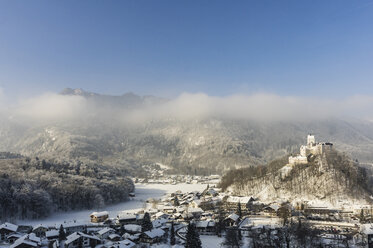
(258, 107)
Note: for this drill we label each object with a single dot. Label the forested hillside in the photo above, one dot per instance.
(33, 188)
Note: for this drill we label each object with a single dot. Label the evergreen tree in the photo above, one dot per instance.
(122, 230)
(61, 234)
(146, 223)
(192, 237)
(172, 236)
(220, 224)
(362, 217)
(239, 210)
(231, 238)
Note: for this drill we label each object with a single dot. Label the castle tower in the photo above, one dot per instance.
(311, 141)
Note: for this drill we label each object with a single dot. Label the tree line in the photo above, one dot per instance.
(34, 188)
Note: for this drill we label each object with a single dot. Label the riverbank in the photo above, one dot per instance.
(142, 192)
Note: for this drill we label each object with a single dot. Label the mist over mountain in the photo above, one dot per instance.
(193, 133)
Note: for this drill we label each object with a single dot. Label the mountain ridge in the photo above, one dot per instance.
(198, 145)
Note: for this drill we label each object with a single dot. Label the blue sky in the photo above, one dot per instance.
(164, 48)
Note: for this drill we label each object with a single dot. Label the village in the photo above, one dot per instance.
(231, 220)
(213, 213)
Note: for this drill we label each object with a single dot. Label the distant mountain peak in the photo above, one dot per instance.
(76, 92)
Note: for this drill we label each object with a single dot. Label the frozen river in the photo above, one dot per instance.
(142, 191)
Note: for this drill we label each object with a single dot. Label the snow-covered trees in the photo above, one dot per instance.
(32, 188)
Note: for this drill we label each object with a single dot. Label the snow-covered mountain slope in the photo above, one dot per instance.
(107, 133)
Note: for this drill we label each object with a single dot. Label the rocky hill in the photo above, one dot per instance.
(331, 178)
(105, 131)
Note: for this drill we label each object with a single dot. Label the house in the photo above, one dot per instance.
(126, 218)
(13, 237)
(196, 212)
(134, 237)
(139, 219)
(232, 203)
(114, 237)
(52, 234)
(152, 236)
(195, 203)
(74, 226)
(169, 209)
(6, 229)
(97, 217)
(161, 215)
(105, 232)
(24, 228)
(132, 228)
(271, 209)
(27, 241)
(40, 230)
(123, 244)
(206, 227)
(79, 239)
(158, 223)
(231, 220)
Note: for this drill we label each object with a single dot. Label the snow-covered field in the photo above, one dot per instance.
(143, 192)
(209, 241)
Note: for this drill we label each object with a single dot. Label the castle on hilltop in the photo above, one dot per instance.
(311, 149)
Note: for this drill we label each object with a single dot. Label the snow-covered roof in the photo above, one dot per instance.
(157, 232)
(205, 223)
(158, 222)
(39, 226)
(52, 233)
(100, 214)
(72, 237)
(132, 228)
(274, 206)
(123, 244)
(195, 210)
(15, 235)
(238, 199)
(28, 239)
(259, 222)
(105, 230)
(233, 217)
(113, 236)
(126, 216)
(161, 214)
(131, 236)
(9, 226)
(76, 235)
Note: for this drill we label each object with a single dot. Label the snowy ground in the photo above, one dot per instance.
(209, 241)
(143, 192)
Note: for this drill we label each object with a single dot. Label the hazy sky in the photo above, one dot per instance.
(289, 48)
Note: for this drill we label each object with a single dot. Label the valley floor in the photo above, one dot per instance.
(142, 191)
